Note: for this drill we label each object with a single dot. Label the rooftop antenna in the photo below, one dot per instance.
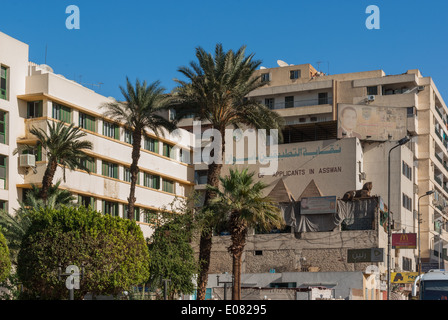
(92, 84)
(46, 46)
(318, 65)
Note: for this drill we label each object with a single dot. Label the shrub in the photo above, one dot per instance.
(112, 250)
(5, 261)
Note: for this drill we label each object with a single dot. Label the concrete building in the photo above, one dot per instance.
(383, 108)
(33, 94)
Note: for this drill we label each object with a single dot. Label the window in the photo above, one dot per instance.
(2, 127)
(372, 91)
(34, 109)
(87, 122)
(86, 201)
(111, 130)
(407, 202)
(289, 102)
(110, 170)
(36, 151)
(151, 181)
(3, 160)
(62, 113)
(110, 207)
(172, 114)
(323, 98)
(4, 83)
(151, 144)
(269, 102)
(411, 112)
(168, 151)
(89, 163)
(407, 264)
(184, 155)
(407, 171)
(200, 177)
(294, 74)
(128, 136)
(127, 175)
(150, 215)
(265, 77)
(168, 186)
(4, 205)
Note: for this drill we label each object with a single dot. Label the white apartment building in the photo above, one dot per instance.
(33, 94)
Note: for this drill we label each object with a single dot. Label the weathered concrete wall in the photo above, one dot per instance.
(287, 252)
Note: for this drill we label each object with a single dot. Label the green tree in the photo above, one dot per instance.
(140, 110)
(170, 251)
(242, 201)
(113, 251)
(62, 145)
(5, 261)
(216, 90)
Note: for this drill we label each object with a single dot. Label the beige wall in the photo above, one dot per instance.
(298, 168)
(14, 55)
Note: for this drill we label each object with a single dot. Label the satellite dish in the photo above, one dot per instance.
(46, 67)
(262, 67)
(282, 63)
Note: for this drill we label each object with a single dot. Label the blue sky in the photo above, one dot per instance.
(150, 40)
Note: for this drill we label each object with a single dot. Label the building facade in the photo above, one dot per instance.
(375, 110)
(33, 94)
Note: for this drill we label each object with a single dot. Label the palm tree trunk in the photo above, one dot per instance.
(136, 145)
(238, 232)
(236, 270)
(205, 243)
(47, 180)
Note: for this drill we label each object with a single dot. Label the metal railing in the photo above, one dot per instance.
(299, 103)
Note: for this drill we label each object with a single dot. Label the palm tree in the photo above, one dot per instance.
(216, 90)
(14, 226)
(62, 145)
(242, 202)
(140, 110)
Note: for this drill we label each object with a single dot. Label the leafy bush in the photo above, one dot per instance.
(112, 250)
(5, 261)
(170, 251)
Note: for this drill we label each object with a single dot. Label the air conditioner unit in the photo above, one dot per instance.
(27, 160)
(421, 88)
(371, 97)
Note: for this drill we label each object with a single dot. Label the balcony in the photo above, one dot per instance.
(300, 103)
(438, 180)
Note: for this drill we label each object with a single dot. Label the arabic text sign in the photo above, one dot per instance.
(365, 255)
(318, 205)
(403, 277)
(371, 122)
(404, 240)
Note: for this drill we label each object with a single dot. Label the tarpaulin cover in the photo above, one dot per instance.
(357, 214)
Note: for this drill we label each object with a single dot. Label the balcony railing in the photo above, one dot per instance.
(438, 134)
(438, 180)
(299, 103)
